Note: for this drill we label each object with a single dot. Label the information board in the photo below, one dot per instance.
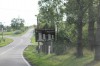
(44, 34)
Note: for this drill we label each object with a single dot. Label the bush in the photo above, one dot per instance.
(59, 48)
(8, 30)
(22, 29)
(17, 32)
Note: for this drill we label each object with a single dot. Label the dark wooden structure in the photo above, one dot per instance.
(46, 32)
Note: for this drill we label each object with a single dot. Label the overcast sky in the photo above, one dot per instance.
(26, 9)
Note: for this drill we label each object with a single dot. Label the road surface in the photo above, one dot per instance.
(12, 54)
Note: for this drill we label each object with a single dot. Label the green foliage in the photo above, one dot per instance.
(23, 29)
(8, 28)
(60, 47)
(17, 23)
(49, 12)
(17, 32)
(72, 30)
(33, 39)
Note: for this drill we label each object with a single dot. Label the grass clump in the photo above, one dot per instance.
(33, 39)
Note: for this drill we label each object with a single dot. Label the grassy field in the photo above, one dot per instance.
(7, 33)
(6, 42)
(68, 59)
(12, 33)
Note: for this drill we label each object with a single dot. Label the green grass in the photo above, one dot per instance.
(6, 42)
(33, 39)
(12, 33)
(6, 33)
(67, 59)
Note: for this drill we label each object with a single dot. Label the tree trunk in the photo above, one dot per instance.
(91, 35)
(79, 30)
(79, 38)
(97, 46)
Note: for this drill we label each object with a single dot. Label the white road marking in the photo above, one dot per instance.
(21, 53)
(25, 60)
(11, 48)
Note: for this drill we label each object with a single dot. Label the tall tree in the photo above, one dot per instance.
(17, 23)
(91, 35)
(22, 23)
(50, 14)
(14, 24)
(82, 7)
(97, 45)
(79, 29)
(75, 10)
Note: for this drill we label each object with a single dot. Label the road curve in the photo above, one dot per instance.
(12, 54)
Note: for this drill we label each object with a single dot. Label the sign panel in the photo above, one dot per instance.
(44, 34)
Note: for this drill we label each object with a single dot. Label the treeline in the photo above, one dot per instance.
(16, 27)
(77, 24)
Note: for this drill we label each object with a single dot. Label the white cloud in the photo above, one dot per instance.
(26, 9)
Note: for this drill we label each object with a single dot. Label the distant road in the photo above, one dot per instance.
(12, 55)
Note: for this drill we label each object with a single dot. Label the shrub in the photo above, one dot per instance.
(22, 29)
(17, 32)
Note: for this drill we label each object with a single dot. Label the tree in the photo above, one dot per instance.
(1, 26)
(17, 23)
(50, 14)
(22, 23)
(8, 28)
(75, 11)
(91, 35)
(97, 45)
(82, 8)
(79, 29)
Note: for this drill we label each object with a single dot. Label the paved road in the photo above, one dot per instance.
(12, 55)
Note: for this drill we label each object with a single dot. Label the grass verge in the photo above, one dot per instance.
(6, 42)
(7, 33)
(68, 59)
(33, 39)
(12, 33)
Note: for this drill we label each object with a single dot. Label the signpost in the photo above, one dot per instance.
(44, 34)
